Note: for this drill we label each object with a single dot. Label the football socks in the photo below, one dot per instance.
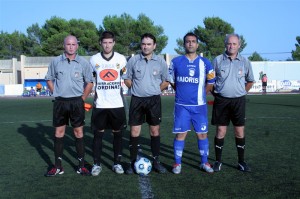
(178, 150)
(97, 146)
(219, 143)
(79, 143)
(58, 150)
(133, 147)
(240, 146)
(117, 146)
(155, 145)
(203, 147)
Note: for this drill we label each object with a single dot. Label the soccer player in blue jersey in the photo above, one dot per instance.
(192, 77)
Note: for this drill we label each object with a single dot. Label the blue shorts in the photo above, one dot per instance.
(185, 116)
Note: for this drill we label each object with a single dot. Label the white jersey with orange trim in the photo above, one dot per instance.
(108, 92)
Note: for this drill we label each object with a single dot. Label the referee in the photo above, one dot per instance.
(146, 75)
(70, 79)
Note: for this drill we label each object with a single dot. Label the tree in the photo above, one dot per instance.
(296, 53)
(47, 40)
(56, 29)
(122, 27)
(87, 34)
(211, 37)
(35, 37)
(256, 57)
(146, 25)
(53, 32)
(13, 45)
(129, 30)
(5, 46)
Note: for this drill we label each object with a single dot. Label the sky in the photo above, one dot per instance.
(269, 27)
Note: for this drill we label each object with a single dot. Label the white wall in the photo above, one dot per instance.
(281, 70)
(13, 89)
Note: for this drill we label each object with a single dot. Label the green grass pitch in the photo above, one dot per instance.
(272, 151)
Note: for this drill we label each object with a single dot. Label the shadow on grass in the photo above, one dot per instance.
(107, 146)
(41, 137)
(190, 158)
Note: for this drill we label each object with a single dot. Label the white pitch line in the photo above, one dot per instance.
(31, 121)
(272, 118)
(145, 187)
(144, 181)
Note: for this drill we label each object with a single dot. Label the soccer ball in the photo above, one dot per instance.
(142, 166)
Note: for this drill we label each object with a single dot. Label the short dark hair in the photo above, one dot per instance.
(107, 35)
(149, 35)
(190, 34)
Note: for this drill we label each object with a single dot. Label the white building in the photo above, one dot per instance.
(283, 76)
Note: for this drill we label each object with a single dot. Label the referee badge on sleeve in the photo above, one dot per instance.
(124, 70)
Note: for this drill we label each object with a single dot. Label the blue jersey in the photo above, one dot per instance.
(190, 78)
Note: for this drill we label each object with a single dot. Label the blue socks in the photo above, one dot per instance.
(178, 150)
(203, 147)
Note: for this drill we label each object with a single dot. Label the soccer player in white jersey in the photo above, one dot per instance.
(192, 77)
(108, 110)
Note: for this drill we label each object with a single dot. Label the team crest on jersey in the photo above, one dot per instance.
(192, 72)
(108, 75)
(240, 71)
(76, 74)
(97, 66)
(203, 127)
(118, 66)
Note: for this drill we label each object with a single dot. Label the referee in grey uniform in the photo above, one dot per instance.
(234, 78)
(70, 79)
(146, 75)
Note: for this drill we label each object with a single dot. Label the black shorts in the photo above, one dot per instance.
(68, 109)
(229, 109)
(264, 84)
(108, 118)
(145, 109)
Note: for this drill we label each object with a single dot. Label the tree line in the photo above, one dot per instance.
(47, 39)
